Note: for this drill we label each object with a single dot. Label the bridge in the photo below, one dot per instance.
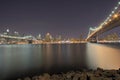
(16, 37)
(5, 38)
(112, 21)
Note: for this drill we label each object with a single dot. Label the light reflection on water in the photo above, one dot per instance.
(23, 60)
(103, 56)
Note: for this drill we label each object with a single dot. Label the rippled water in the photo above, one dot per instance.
(28, 60)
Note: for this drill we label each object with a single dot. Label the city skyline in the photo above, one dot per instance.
(66, 18)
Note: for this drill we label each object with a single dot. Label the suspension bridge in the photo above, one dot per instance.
(112, 21)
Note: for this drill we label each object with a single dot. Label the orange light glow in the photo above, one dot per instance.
(115, 16)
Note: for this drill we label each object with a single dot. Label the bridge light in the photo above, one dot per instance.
(119, 3)
(110, 15)
(116, 7)
(100, 27)
(115, 16)
(106, 23)
(110, 20)
(112, 12)
(106, 20)
(102, 24)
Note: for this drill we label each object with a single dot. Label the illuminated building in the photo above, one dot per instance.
(48, 37)
(39, 37)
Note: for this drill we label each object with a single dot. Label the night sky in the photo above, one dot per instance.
(69, 18)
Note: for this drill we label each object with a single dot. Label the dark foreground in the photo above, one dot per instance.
(98, 74)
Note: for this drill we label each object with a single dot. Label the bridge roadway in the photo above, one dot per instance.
(106, 27)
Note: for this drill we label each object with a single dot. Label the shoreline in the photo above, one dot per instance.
(98, 74)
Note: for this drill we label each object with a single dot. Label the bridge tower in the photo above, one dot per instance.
(94, 38)
(112, 21)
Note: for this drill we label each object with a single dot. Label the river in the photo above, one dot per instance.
(28, 60)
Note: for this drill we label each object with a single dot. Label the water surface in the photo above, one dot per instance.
(28, 60)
